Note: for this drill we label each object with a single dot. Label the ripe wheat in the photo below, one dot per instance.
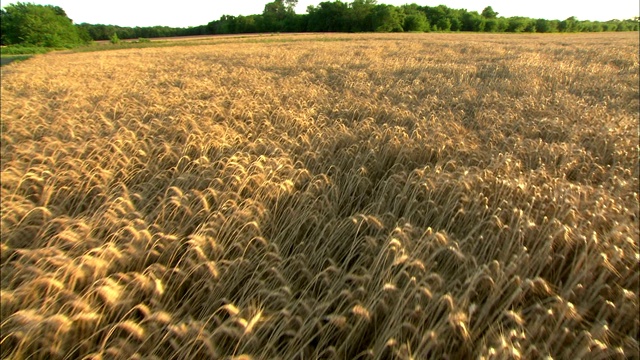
(353, 196)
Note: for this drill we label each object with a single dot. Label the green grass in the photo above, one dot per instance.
(24, 50)
(12, 53)
(7, 59)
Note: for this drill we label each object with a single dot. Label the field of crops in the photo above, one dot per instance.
(338, 197)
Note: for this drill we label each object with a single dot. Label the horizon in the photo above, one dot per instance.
(136, 13)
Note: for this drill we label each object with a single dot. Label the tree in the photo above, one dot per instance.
(438, 17)
(546, 26)
(295, 22)
(416, 21)
(360, 15)
(83, 33)
(3, 15)
(290, 5)
(328, 16)
(570, 24)
(59, 11)
(592, 26)
(496, 25)
(273, 16)
(488, 13)
(472, 21)
(226, 25)
(456, 23)
(387, 18)
(38, 25)
(114, 39)
(518, 24)
(246, 24)
(279, 15)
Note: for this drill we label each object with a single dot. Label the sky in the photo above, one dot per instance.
(184, 13)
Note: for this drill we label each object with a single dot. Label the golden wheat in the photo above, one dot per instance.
(336, 196)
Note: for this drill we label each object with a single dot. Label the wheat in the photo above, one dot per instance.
(405, 196)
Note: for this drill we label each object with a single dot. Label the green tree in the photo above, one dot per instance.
(531, 25)
(115, 39)
(246, 24)
(416, 22)
(290, 5)
(38, 25)
(226, 25)
(3, 15)
(273, 16)
(496, 25)
(456, 22)
(360, 15)
(59, 11)
(570, 24)
(295, 22)
(622, 26)
(439, 17)
(387, 18)
(83, 33)
(472, 21)
(414, 18)
(518, 24)
(279, 15)
(328, 16)
(444, 24)
(546, 26)
(489, 13)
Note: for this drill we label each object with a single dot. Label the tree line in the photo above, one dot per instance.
(49, 26)
(369, 16)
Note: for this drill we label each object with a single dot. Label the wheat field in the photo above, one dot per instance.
(368, 196)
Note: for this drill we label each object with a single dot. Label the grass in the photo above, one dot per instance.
(407, 195)
(24, 50)
(9, 54)
(7, 59)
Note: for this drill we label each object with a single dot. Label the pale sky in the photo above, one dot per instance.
(185, 13)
